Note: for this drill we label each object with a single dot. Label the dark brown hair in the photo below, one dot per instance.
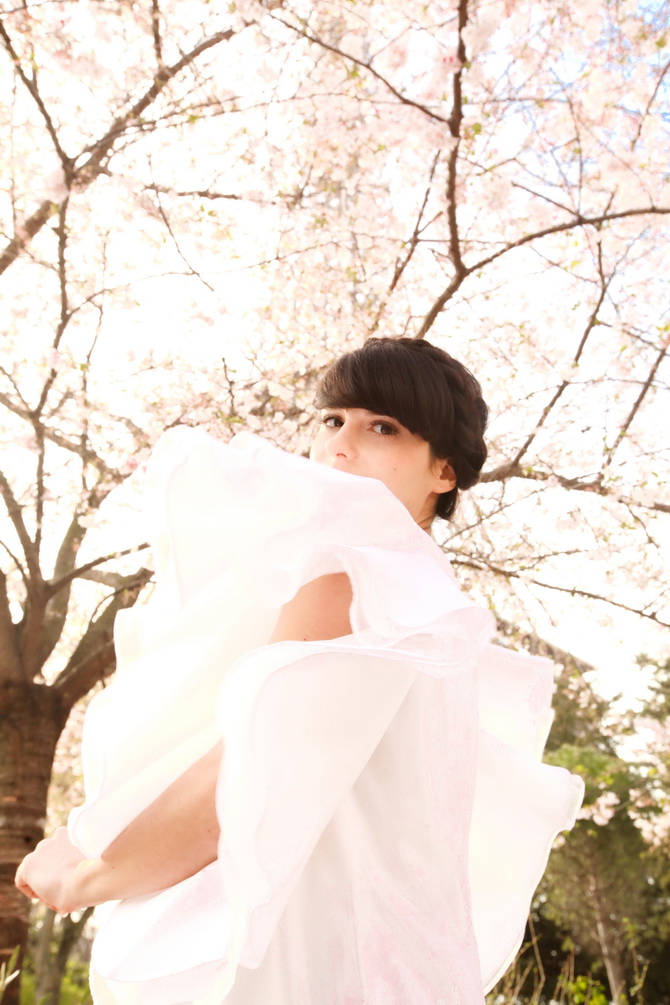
(426, 390)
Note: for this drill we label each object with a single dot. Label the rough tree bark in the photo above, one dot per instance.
(31, 719)
(32, 716)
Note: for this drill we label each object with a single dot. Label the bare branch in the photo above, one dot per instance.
(16, 562)
(87, 454)
(97, 153)
(102, 148)
(17, 390)
(25, 233)
(506, 471)
(35, 415)
(574, 591)
(10, 661)
(483, 517)
(64, 307)
(440, 304)
(541, 195)
(93, 659)
(578, 220)
(206, 194)
(39, 488)
(403, 99)
(455, 120)
(590, 325)
(57, 591)
(31, 85)
(636, 405)
(412, 244)
(14, 511)
(156, 32)
(168, 227)
(651, 101)
(113, 579)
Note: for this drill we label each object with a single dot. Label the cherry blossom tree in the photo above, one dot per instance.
(200, 204)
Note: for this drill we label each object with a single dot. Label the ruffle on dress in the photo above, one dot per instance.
(385, 816)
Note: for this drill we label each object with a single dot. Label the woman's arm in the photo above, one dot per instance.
(319, 611)
(173, 838)
(177, 835)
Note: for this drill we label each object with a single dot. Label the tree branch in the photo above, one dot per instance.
(14, 511)
(57, 591)
(403, 99)
(173, 236)
(574, 591)
(35, 415)
(73, 446)
(64, 306)
(39, 488)
(25, 233)
(636, 405)
(591, 324)
(578, 221)
(455, 120)
(31, 85)
(93, 659)
(10, 661)
(156, 32)
(17, 563)
(506, 471)
(97, 153)
(652, 99)
(82, 572)
(412, 244)
(440, 304)
(207, 193)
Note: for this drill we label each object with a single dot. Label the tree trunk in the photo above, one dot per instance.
(42, 950)
(31, 720)
(50, 965)
(614, 967)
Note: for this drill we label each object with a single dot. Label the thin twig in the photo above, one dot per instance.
(364, 64)
(412, 244)
(31, 85)
(609, 455)
(97, 153)
(574, 591)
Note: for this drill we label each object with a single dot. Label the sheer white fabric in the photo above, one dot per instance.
(385, 816)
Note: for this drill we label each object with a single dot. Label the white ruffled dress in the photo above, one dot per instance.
(385, 815)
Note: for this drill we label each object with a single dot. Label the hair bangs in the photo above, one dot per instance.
(378, 382)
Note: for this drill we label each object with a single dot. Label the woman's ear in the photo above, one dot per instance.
(445, 478)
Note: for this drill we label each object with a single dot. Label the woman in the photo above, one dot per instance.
(356, 811)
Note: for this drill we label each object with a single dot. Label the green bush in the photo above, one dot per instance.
(74, 989)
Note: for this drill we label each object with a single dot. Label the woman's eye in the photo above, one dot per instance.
(385, 428)
(331, 421)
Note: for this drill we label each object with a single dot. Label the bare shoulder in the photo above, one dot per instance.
(319, 610)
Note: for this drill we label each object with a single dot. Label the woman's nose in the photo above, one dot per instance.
(341, 444)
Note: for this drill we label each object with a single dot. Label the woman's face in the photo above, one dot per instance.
(365, 443)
